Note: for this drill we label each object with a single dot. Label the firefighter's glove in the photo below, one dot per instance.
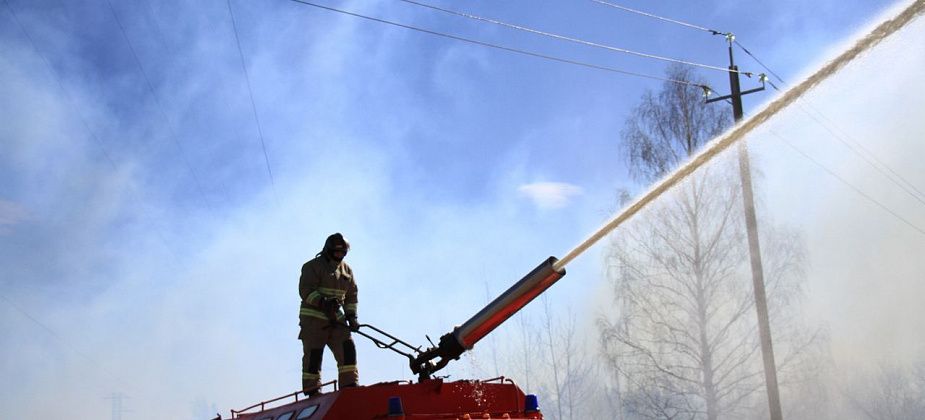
(329, 305)
(352, 323)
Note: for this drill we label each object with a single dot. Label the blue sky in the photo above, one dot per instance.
(139, 225)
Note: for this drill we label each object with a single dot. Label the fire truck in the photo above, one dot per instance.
(429, 397)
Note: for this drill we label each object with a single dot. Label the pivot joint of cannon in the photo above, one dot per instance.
(449, 349)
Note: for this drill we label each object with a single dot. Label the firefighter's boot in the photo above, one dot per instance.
(311, 387)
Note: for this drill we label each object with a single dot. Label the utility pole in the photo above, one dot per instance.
(117, 409)
(754, 248)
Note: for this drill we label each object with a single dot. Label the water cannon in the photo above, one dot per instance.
(464, 337)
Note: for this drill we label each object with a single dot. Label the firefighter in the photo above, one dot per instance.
(328, 314)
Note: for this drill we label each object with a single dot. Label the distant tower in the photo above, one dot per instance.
(117, 408)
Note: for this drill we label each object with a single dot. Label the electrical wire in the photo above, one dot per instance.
(499, 47)
(134, 196)
(848, 184)
(738, 132)
(845, 139)
(870, 158)
(575, 40)
(250, 94)
(189, 165)
(41, 324)
(662, 18)
(693, 26)
(64, 342)
(742, 47)
(57, 79)
(111, 163)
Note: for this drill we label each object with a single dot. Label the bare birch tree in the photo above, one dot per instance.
(667, 128)
(685, 340)
(891, 392)
(569, 377)
(525, 353)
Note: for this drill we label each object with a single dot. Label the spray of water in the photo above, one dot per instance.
(739, 131)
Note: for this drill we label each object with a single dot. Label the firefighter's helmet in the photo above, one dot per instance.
(335, 242)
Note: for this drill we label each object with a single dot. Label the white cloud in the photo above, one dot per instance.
(550, 195)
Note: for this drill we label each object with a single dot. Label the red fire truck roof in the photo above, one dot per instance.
(497, 398)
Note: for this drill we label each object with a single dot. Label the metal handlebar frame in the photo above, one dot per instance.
(389, 346)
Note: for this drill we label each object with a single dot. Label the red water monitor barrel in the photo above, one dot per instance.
(464, 337)
(508, 303)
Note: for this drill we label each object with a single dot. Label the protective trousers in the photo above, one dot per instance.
(317, 333)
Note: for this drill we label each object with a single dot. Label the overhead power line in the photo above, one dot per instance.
(134, 195)
(250, 94)
(575, 40)
(499, 47)
(692, 26)
(64, 342)
(854, 146)
(157, 102)
(742, 47)
(845, 139)
(662, 18)
(57, 78)
(739, 131)
(867, 156)
(848, 184)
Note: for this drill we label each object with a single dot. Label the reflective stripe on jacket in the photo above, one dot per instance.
(322, 278)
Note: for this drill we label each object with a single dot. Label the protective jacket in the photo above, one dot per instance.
(322, 277)
(325, 278)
